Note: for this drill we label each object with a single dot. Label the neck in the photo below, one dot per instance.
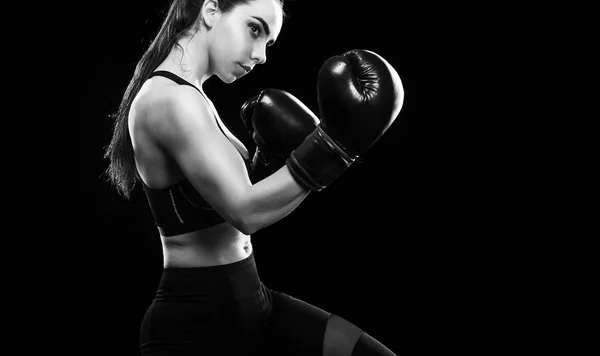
(189, 60)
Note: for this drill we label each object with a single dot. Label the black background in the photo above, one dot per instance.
(365, 248)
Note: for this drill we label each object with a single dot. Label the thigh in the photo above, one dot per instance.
(298, 328)
(295, 327)
(219, 328)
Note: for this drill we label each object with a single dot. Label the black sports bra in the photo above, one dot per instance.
(180, 208)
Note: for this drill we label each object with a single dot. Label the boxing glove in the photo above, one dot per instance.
(359, 96)
(277, 122)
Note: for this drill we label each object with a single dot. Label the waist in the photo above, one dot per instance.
(236, 280)
(214, 246)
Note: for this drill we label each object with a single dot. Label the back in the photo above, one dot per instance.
(184, 218)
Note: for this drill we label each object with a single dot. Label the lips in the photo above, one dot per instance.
(246, 68)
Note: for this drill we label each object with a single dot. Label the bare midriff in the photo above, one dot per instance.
(217, 245)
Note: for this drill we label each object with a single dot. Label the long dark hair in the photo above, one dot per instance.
(181, 16)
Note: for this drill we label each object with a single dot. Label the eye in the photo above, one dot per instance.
(255, 30)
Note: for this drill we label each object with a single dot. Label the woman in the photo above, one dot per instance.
(196, 176)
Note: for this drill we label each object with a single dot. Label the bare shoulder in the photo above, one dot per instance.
(174, 112)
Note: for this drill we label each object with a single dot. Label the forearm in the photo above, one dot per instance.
(271, 199)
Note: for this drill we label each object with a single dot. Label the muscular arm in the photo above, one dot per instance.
(188, 132)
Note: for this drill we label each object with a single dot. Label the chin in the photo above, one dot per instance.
(228, 79)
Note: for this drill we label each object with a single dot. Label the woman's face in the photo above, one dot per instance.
(239, 39)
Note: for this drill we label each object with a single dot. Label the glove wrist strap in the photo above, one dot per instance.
(333, 146)
(318, 161)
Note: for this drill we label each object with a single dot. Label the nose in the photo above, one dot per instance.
(259, 54)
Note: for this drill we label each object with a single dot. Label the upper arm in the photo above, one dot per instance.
(188, 132)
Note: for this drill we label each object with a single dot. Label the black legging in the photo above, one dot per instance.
(226, 310)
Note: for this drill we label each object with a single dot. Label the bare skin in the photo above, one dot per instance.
(175, 136)
(216, 245)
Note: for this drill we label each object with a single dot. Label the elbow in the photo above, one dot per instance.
(245, 224)
(248, 229)
(246, 217)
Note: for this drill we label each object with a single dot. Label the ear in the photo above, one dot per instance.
(210, 12)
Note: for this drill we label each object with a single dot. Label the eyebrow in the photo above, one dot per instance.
(265, 26)
(267, 29)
